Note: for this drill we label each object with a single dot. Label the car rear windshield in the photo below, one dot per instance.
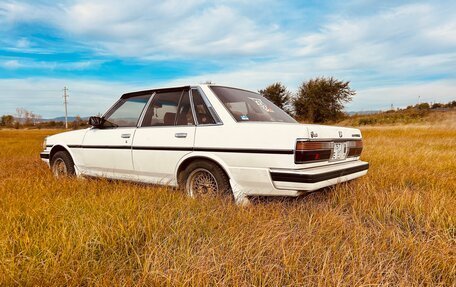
(246, 106)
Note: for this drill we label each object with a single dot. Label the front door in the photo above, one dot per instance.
(165, 136)
(107, 151)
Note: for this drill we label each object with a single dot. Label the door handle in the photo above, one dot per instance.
(180, 135)
(125, 136)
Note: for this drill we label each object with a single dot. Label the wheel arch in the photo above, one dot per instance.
(191, 158)
(57, 148)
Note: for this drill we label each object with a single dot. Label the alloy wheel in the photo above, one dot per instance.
(201, 182)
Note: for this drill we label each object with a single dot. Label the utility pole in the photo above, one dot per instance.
(65, 101)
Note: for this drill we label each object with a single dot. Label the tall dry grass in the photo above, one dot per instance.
(396, 226)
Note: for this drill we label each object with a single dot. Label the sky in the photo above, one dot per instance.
(392, 52)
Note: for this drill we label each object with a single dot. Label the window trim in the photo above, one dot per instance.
(143, 114)
(191, 108)
(210, 108)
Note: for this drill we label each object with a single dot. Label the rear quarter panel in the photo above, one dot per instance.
(271, 145)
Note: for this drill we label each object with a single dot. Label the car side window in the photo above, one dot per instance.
(126, 112)
(184, 112)
(202, 112)
(169, 109)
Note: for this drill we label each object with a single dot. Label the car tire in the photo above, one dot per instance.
(62, 164)
(204, 178)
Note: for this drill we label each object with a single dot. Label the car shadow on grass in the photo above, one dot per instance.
(319, 195)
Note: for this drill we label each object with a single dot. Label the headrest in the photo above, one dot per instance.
(169, 118)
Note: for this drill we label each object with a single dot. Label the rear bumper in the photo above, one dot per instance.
(315, 178)
(304, 176)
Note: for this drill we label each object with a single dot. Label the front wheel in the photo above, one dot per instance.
(205, 179)
(62, 164)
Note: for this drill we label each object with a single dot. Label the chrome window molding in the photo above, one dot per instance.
(209, 106)
(144, 111)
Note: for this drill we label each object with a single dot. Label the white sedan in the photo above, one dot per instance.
(208, 140)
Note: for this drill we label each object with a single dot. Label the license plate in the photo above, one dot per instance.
(339, 151)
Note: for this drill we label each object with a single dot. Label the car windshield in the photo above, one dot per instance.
(246, 106)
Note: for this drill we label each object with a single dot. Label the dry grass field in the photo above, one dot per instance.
(396, 226)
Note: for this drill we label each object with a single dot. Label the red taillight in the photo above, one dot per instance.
(307, 151)
(355, 148)
(306, 145)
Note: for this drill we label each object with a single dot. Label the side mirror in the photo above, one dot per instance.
(96, 122)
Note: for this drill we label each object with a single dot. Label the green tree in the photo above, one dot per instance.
(279, 95)
(7, 121)
(423, 106)
(322, 99)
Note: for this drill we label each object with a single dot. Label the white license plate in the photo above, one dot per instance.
(339, 151)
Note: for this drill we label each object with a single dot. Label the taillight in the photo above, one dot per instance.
(355, 148)
(307, 151)
(311, 151)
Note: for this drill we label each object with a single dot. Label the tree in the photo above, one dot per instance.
(278, 94)
(28, 118)
(7, 121)
(20, 112)
(322, 99)
(423, 106)
(77, 122)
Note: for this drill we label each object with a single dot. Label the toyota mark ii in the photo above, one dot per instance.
(208, 140)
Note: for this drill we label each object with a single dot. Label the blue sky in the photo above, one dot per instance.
(392, 51)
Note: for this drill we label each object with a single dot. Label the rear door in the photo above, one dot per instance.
(107, 151)
(165, 136)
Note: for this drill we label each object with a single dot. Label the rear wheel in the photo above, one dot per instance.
(62, 164)
(205, 179)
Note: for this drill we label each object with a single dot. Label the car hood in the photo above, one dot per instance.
(67, 138)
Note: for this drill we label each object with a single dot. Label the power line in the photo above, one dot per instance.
(65, 101)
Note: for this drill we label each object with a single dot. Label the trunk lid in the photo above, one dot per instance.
(321, 132)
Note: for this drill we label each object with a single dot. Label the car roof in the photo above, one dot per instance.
(146, 92)
(172, 89)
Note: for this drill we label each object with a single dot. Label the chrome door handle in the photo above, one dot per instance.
(180, 135)
(125, 136)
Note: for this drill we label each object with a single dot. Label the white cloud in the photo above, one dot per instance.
(23, 43)
(154, 29)
(390, 54)
(223, 30)
(389, 42)
(11, 64)
(15, 64)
